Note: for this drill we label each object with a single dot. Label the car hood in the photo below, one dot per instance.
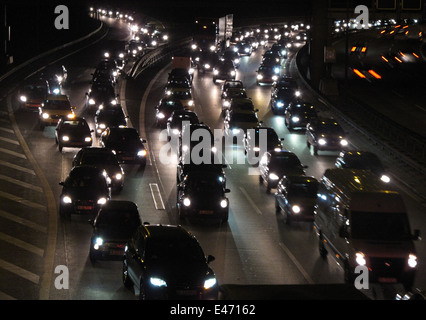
(178, 272)
(116, 234)
(303, 201)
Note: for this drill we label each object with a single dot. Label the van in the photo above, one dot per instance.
(364, 223)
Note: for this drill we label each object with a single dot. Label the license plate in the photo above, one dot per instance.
(206, 211)
(387, 280)
(84, 207)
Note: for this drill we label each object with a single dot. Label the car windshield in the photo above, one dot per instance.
(174, 250)
(210, 185)
(112, 113)
(99, 158)
(244, 117)
(103, 89)
(178, 119)
(57, 105)
(363, 161)
(283, 161)
(233, 84)
(303, 190)
(330, 128)
(181, 94)
(118, 219)
(236, 94)
(379, 226)
(89, 182)
(125, 136)
(70, 124)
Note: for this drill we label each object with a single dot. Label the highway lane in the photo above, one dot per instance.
(254, 247)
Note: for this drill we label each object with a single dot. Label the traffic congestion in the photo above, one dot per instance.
(214, 168)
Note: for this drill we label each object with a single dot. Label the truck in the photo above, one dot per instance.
(204, 34)
(363, 222)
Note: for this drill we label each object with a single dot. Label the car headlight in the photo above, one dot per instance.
(160, 115)
(277, 149)
(113, 102)
(157, 282)
(275, 77)
(273, 176)
(56, 91)
(256, 149)
(186, 202)
(99, 241)
(194, 46)
(212, 48)
(226, 103)
(237, 61)
(247, 50)
(91, 101)
(102, 125)
(65, 138)
(66, 199)
(344, 142)
(215, 72)
(295, 209)
(87, 139)
(190, 103)
(235, 49)
(232, 73)
(102, 200)
(259, 77)
(23, 98)
(207, 66)
(118, 176)
(224, 203)
(134, 51)
(236, 131)
(45, 115)
(175, 131)
(412, 260)
(322, 141)
(70, 115)
(141, 153)
(295, 119)
(277, 70)
(360, 259)
(209, 283)
(385, 178)
(280, 104)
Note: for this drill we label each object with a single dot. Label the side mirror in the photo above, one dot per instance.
(143, 141)
(87, 93)
(227, 190)
(281, 139)
(61, 183)
(210, 258)
(305, 166)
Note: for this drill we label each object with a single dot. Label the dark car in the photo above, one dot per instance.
(203, 196)
(243, 48)
(281, 99)
(107, 66)
(232, 93)
(285, 81)
(109, 116)
(33, 93)
(241, 104)
(73, 133)
(167, 262)
(236, 123)
(174, 123)
(298, 114)
(231, 84)
(280, 49)
(113, 226)
(56, 71)
(212, 165)
(266, 75)
(297, 197)
(126, 143)
(177, 83)
(270, 61)
(206, 61)
(84, 191)
(325, 134)
(232, 56)
(180, 73)
(267, 135)
(165, 108)
(224, 70)
(361, 159)
(193, 135)
(100, 94)
(276, 164)
(104, 159)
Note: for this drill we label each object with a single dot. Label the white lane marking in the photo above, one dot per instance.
(156, 196)
(25, 222)
(21, 244)
(14, 166)
(13, 153)
(296, 263)
(19, 271)
(12, 141)
(250, 200)
(22, 201)
(20, 183)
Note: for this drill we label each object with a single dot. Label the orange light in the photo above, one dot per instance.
(383, 31)
(364, 49)
(415, 55)
(353, 49)
(385, 59)
(374, 74)
(359, 73)
(392, 32)
(397, 59)
(396, 27)
(404, 27)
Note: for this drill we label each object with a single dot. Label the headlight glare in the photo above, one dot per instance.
(157, 282)
(360, 259)
(209, 283)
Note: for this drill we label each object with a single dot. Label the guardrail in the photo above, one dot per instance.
(401, 145)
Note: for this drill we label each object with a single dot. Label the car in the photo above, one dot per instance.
(107, 66)
(109, 116)
(224, 70)
(285, 81)
(230, 84)
(280, 49)
(236, 123)
(266, 75)
(84, 191)
(281, 99)
(167, 262)
(104, 159)
(73, 133)
(184, 95)
(113, 226)
(231, 55)
(56, 71)
(53, 108)
(271, 58)
(126, 143)
(176, 120)
(214, 164)
(194, 135)
(240, 104)
(180, 73)
(253, 42)
(177, 83)
(134, 48)
(362, 159)
(325, 134)
(203, 196)
(268, 136)
(231, 94)
(243, 48)
(206, 61)
(275, 164)
(33, 93)
(102, 93)
(273, 62)
(298, 114)
(164, 110)
(296, 196)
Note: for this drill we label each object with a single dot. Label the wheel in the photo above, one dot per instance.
(125, 275)
(268, 189)
(277, 206)
(260, 179)
(315, 150)
(308, 144)
(60, 147)
(93, 256)
(64, 212)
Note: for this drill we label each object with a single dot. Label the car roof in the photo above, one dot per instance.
(166, 231)
(301, 178)
(62, 97)
(93, 149)
(120, 205)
